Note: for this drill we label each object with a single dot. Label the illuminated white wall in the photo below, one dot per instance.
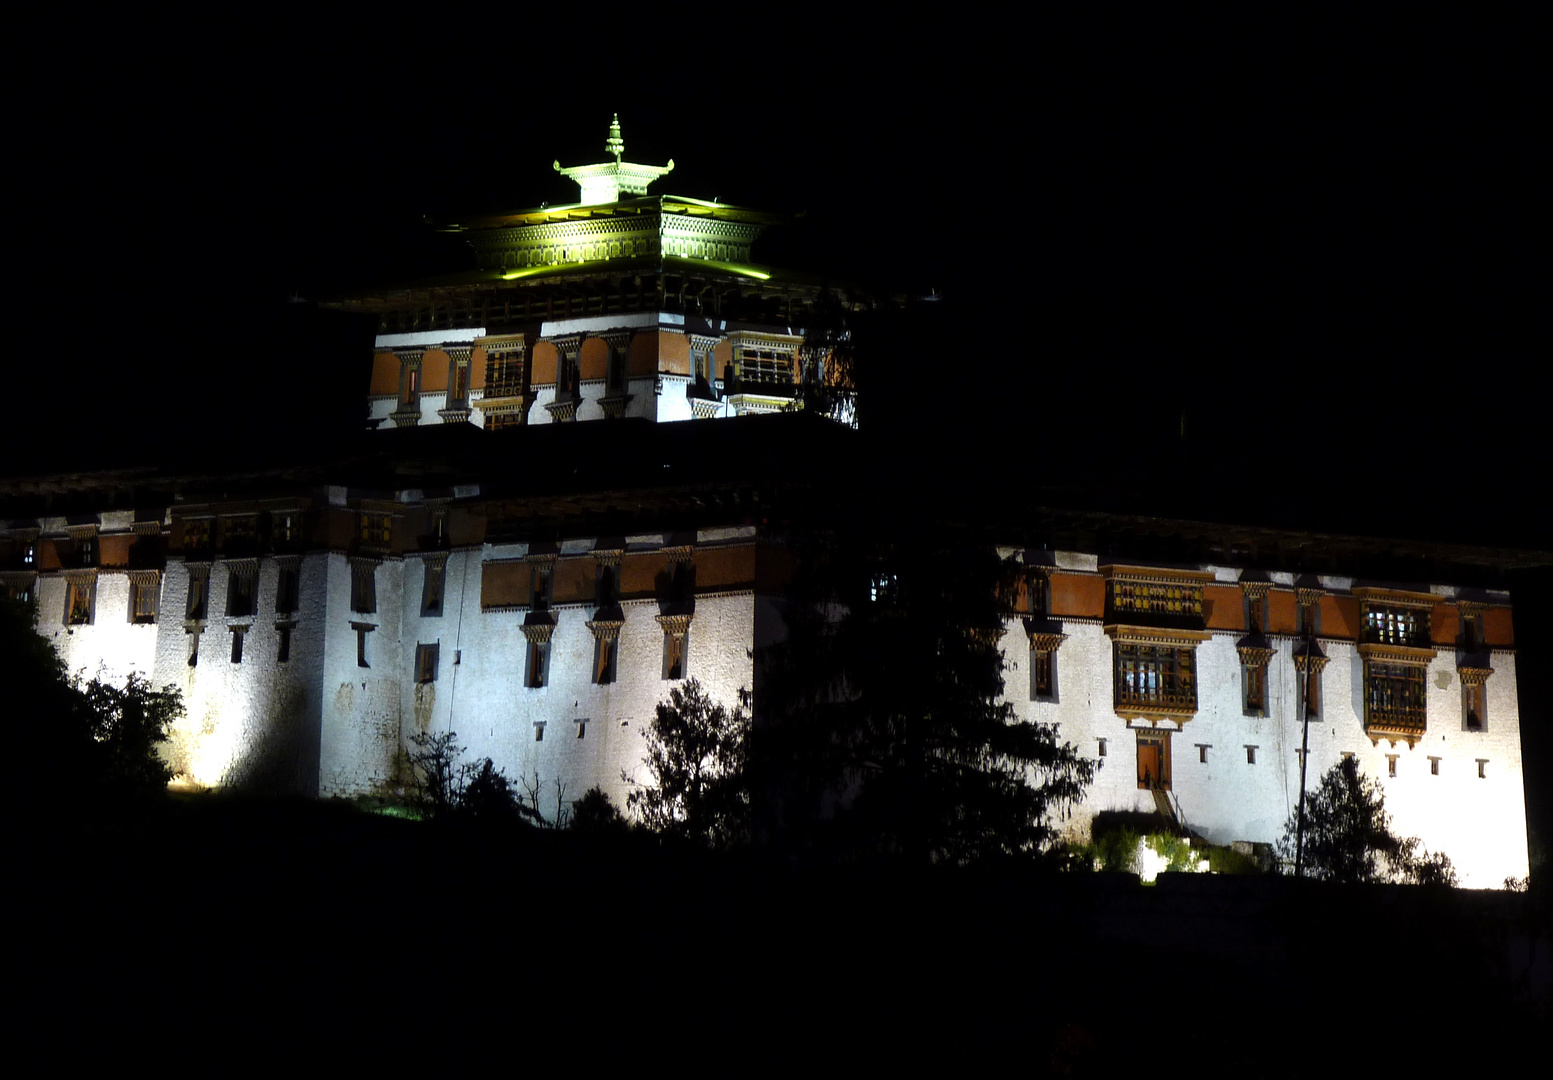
(1479, 823)
(255, 722)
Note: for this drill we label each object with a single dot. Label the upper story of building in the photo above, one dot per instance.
(622, 304)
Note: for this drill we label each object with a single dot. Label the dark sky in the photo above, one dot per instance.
(1316, 239)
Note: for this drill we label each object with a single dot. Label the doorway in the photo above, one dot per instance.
(1154, 759)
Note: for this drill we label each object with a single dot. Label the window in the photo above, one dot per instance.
(504, 372)
(1256, 688)
(283, 643)
(240, 534)
(1308, 617)
(606, 641)
(1155, 677)
(1254, 661)
(1036, 593)
(539, 731)
(458, 389)
(1250, 755)
(199, 590)
(604, 659)
(80, 599)
(1474, 698)
(1396, 619)
(237, 643)
(1256, 610)
(582, 729)
(431, 586)
(86, 550)
(29, 554)
(376, 530)
(1391, 764)
(1309, 662)
(542, 586)
(196, 538)
(287, 527)
(287, 585)
(1102, 748)
(426, 663)
(1394, 695)
(241, 582)
(884, 589)
(194, 645)
(1043, 665)
(362, 630)
(606, 585)
(765, 364)
(1482, 768)
(19, 587)
(1040, 675)
(1471, 627)
(537, 666)
(1202, 752)
(676, 643)
(411, 384)
(1131, 597)
(364, 585)
(1434, 766)
(144, 589)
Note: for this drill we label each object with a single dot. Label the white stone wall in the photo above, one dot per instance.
(1479, 823)
(322, 724)
(111, 645)
(479, 692)
(361, 706)
(254, 722)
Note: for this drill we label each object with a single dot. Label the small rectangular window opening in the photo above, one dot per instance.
(1102, 748)
(361, 647)
(1250, 755)
(539, 731)
(582, 728)
(283, 647)
(1482, 768)
(1202, 752)
(1434, 766)
(237, 643)
(1391, 764)
(425, 663)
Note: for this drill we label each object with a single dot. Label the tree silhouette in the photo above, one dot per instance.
(696, 754)
(884, 730)
(1348, 836)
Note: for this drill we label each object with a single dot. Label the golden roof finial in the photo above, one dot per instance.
(615, 144)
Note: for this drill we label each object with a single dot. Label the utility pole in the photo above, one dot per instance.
(1304, 699)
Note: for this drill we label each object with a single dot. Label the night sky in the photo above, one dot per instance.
(1315, 240)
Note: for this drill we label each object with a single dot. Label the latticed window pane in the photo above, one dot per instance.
(1256, 687)
(375, 530)
(364, 587)
(1156, 598)
(143, 596)
(78, 610)
(1155, 676)
(1041, 673)
(766, 365)
(1394, 696)
(1396, 626)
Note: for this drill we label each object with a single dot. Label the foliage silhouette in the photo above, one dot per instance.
(1348, 836)
(595, 814)
(696, 755)
(445, 786)
(888, 734)
(102, 735)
